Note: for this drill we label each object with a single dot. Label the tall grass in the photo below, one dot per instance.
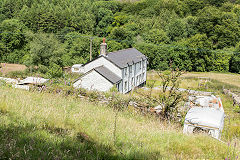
(227, 78)
(50, 126)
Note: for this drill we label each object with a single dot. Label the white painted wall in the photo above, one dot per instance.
(93, 81)
(137, 71)
(103, 61)
(138, 75)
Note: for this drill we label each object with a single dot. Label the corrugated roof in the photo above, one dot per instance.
(109, 75)
(33, 80)
(126, 56)
(205, 116)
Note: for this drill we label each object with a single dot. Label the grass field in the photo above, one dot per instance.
(49, 126)
(192, 79)
(228, 78)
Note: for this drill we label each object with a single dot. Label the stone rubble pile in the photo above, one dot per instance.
(235, 97)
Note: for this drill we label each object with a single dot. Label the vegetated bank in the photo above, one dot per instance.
(51, 126)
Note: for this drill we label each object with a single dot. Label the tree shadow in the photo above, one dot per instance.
(31, 142)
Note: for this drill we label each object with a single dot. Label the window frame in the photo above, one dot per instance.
(125, 71)
(125, 85)
(130, 69)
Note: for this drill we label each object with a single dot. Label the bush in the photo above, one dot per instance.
(234, 63)
(42, 69)
(54, 71)
(18, 74)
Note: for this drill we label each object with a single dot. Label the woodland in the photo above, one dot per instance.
(191, 35)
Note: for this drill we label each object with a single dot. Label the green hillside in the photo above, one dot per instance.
(192, 35)
(50, 126)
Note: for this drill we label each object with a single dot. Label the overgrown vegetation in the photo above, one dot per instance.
(43, 125)
(191, 35)
(167, 97)
(216, 82)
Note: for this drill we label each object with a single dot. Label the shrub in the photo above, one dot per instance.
(42, 69)
(93, 96)
(55, 71)
(114, 89)
(18, 74)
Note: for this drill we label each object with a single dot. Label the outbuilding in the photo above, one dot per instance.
(205, 118)
(77, 68)
(99, 78)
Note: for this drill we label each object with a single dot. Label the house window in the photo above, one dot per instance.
(125, 71)
(117, 86)
(130, 68)
(137, 79)
(140, 63)
(125, 85)
(144, 64)
(132, 81)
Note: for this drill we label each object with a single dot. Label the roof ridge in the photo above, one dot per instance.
(121, 50)
(99, 66)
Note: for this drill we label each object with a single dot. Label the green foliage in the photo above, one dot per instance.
(156, 36)
(170, 98)
(114, 46)
(77, 49)
(18, 74)
(54, 71)
(46, 49)
(176, 30)
(235, 63)
(155, 55)
(114, 89)
(197, 51)
(12, 41)
(187, 32)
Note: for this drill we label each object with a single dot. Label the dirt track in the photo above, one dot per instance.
(6, 68)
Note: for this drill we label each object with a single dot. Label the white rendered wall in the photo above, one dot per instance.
(137, 71)
(93, 81)
(103, 61)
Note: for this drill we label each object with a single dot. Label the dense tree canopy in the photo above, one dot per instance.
(192, 35)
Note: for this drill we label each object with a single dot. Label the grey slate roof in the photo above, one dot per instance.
(109, 75)
(124, 57)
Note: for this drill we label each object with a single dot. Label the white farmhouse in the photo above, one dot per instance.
(124, 69)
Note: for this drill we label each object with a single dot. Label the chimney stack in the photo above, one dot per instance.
(103, 48)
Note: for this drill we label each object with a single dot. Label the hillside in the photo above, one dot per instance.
(231, 79)
(50, 126)
(192, 35)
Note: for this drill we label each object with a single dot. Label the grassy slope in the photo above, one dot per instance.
(226, 78)
(37, 125)
(231, 132)
(229, 78)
